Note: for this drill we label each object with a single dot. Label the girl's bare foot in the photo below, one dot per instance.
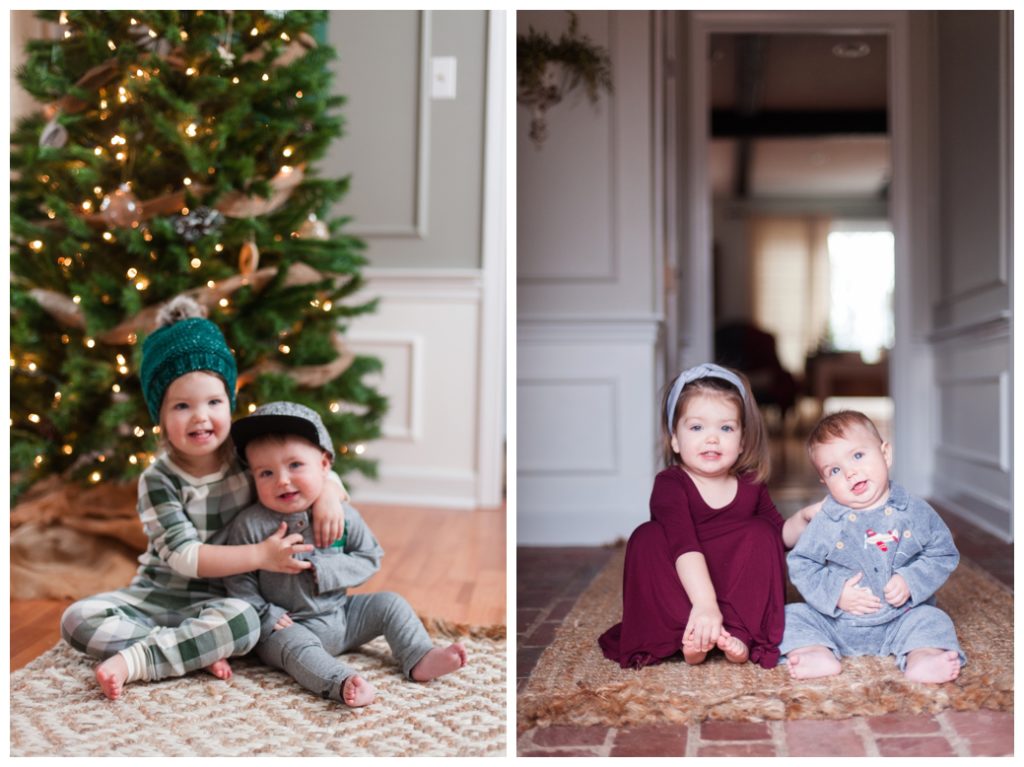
(692, 653)
(439, 661)
(356, 691)
(735, 651)
(220, 669)
(811, 663)
(932, 666)
(112, 674)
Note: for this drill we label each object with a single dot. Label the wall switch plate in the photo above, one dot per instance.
(442, 77)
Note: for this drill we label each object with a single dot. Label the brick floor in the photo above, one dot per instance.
(549, 581)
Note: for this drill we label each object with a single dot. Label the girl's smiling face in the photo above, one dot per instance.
(855, 468)
(195, 418)
(708, 436)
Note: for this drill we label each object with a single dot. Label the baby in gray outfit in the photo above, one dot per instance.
(307, 618)
(868, 565)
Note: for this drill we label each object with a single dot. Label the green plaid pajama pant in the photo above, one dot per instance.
(181, 631)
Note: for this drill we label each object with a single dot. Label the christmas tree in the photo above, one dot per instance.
(174, 154)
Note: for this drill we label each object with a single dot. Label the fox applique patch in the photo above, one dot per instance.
(880, 539)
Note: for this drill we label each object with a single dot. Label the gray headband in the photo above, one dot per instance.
(707, 370)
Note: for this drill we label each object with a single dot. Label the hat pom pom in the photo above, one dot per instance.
(178, 309)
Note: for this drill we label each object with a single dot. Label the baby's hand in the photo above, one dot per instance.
(858, 600)
(896, 591)
(283, 622)
(278, 550)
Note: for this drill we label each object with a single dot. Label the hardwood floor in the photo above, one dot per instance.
(448, 564)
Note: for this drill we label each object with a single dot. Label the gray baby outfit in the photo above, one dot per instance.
(326, 620)
(904, 536)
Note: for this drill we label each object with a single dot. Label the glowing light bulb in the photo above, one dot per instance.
(95, 477)
(34, 418)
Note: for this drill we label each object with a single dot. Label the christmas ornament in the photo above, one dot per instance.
(54, 135)
(121, 207)
(314, 229)
(248, 258)
(226, 55)
(198, 223)
(143, 36)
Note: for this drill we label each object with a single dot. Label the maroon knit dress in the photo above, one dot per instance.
(742, 543)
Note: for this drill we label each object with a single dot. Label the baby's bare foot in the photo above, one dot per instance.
(356, 691)
(220, 669)
(440, 661)
(111, 674)
(932, 666)
(811, 664)
(692, 653)
(735, 651)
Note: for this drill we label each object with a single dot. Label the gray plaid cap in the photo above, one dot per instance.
(281, 418)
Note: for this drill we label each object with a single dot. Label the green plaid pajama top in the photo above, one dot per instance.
(179, 513)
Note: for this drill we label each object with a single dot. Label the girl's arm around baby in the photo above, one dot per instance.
(274, 554)
(796, 524)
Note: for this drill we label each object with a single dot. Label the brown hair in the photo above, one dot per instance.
(836, 425)
(754, 459)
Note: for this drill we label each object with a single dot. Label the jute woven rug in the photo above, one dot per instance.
(573, 683)
(58, 710)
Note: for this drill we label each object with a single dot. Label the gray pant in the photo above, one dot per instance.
(919, 627)
(306, 650)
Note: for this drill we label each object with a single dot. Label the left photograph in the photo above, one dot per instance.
(258, 387)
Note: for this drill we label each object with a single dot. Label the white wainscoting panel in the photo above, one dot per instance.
(427, 333)
(973, 457)
(586, 432)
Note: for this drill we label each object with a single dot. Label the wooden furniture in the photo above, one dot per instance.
(845, 374)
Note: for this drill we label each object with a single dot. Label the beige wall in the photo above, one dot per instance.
(416, 162)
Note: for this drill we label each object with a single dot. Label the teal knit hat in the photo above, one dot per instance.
(184, 347)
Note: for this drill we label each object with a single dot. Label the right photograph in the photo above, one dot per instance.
(764, 383)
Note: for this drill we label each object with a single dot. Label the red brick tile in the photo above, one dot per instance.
(987, 733)
(542, 636)
(812, 737)
(526, 659)
(713, 730)
(929, 745)
(568, 752)
(560, 609)
(650, 740)
(525, 619)
(738, 749)
(903, 724)
(567, 735)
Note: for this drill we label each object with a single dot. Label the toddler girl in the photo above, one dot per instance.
(175, 616)
(708, 570)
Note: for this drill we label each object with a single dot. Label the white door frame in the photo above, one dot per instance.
(492, 379)
(911, 380)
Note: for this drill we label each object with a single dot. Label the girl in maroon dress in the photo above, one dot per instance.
(708, 570)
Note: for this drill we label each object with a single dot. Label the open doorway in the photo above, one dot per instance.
(802, 245)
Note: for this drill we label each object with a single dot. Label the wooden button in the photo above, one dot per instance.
(852, 517)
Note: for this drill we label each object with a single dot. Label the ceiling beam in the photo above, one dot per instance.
(727, 123)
